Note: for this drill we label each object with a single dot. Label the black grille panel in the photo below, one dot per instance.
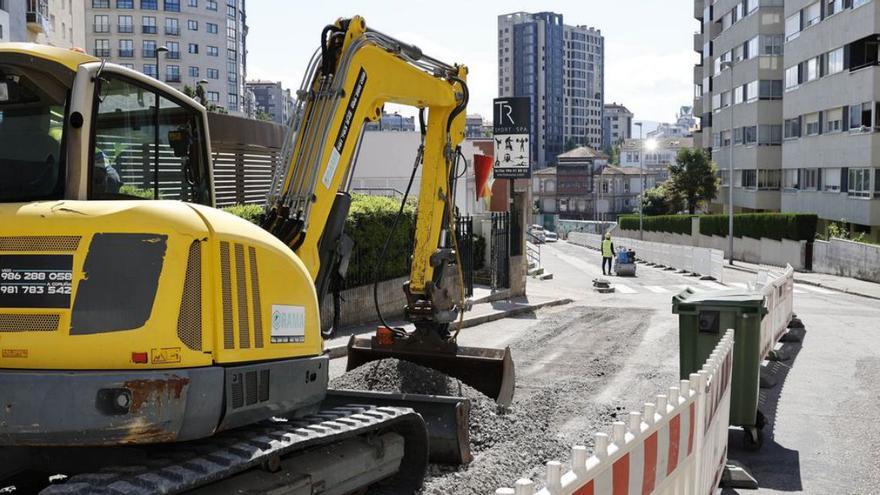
(189, 320)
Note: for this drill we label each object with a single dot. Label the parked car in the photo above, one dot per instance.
(537, 234)
(550, 237)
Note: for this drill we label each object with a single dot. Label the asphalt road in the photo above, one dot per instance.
(606, 353)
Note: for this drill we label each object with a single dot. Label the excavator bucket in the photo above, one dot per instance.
(489, 371)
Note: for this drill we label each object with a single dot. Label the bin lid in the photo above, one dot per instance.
(688, 299)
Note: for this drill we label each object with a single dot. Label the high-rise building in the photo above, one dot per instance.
(803, 101)
(206, 41)
(49, 22)
(739, 96)
(617, 127)
(272, 98)
(561, 68)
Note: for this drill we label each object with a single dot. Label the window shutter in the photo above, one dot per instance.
(799, 174)
(821, 121)
(846, 51)
(846, 117)
(844, 180)
(818, 179)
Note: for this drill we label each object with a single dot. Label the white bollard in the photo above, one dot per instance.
(579, 460)
(601, 449)
(650, 411)
(635, 423)
(554, 477)
(524, 487)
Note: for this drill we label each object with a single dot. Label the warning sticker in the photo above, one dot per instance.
(165, 355)
(288, 324)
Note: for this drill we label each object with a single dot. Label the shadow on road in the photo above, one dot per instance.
(774, 466)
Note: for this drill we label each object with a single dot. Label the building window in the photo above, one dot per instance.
(150, 70)
(771, 44)
(213, 51)
(833, 62)
(212, 28)
(172, 73)
(831, 179)
(859, 183)
(769, 134)
(859, 3)
(125, 24)
(749, 179)
(793, 26)
(212, 5)
(124, 4)
(809, 179)
(790, 179)
(102, 48)
(172, 5)
(172, 26)
(750, 135)
(792, 128)
(193, 3)
(213, 74)
(770, 90)
(230, 12)
(832, 7)
(126, 48)
(738, 93)
(862, 53)
(232, 99)
(102, 24)
(100, 4)
(149, 49)
(792, 77)
(193, 48)
(860, 117)
(812, 14)
(192, 25)
(148, 25)
(149, 4)
(833, 121)
(811, 124)
(768, 180)
(230, 32)
(193, 71)
(173, 50)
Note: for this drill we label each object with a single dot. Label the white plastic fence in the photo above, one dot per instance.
(702, 261)
(677, 446)
(778, 289)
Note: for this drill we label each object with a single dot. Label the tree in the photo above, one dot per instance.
(262, 115)
(660, 200)
(614, 159)
(188, 90)
(693, 177)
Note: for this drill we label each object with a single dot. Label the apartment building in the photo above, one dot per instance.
(617, 126)
(561, 68)
(206, 40)
(739, 89)
(831, 110)
(658, 155)
(48, 22)
(273, 99)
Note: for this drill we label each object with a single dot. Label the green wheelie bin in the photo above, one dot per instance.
(703, 319)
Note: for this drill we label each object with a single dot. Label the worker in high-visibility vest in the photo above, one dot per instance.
(607, 253)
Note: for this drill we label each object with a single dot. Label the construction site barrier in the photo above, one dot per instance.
(678, 445)
(778, 290)
(701, 261)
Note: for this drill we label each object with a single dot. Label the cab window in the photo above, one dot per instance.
(146, 146)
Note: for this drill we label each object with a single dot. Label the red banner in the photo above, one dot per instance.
(482, 173)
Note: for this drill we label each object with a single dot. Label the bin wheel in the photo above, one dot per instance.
(753, 438)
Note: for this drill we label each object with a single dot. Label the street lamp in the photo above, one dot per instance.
(161, 49)
(729, 65)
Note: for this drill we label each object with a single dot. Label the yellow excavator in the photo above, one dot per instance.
(150, 343)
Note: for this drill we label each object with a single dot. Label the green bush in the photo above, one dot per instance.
(251, 213)
(793, 226)
(368, 224)
(676, 224)
(479, 252)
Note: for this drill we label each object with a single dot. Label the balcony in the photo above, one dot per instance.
(698, 74)
(37, 16)
(125, 29)
(698, 42)
(102, 52)
(126, 53)
(172, 31)
(173, 55)
(101, 28)
(699, 6)
(148, 29)
(172, 78)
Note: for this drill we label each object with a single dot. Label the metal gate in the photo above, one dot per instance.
(464, 235)
(500, 250)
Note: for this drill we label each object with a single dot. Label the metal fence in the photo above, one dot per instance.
(464, 234)
(500, 250)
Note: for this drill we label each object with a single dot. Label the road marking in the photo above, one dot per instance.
(656, 289)
(812, 288)
(712, 285)
(624, 289)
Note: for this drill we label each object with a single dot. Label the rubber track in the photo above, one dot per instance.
(190, 465)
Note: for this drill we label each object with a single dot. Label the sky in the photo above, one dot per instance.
(649, 53)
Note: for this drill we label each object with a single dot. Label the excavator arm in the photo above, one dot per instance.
(353, 75)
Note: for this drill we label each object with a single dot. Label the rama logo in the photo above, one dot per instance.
(287, 320)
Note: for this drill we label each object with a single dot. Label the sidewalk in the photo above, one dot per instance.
(833, 282)
(482, 312)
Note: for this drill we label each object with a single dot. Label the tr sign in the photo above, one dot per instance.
(511, 133)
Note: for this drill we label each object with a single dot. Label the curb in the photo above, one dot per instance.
(342, 350)
(814, 284)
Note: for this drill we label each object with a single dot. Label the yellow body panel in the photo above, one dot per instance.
(282, 280)
(66, 57)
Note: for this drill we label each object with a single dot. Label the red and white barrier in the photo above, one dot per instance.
(778, 290)
(678, 445)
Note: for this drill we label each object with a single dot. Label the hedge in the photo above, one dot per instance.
(368, 224)
(677, 224)
(778, 226)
